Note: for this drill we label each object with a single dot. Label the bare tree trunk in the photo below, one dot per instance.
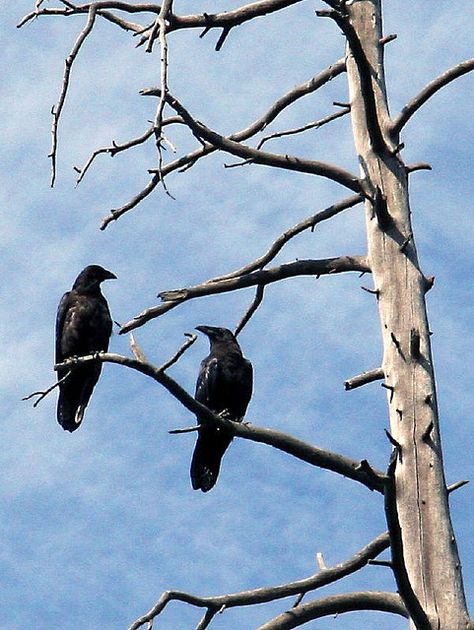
(424, 550)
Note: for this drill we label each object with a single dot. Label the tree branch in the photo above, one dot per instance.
(364, 378)
(258, 125)
(365, 74)
(297, 448)
(336, 605)
(312, 125)
(226, 19)
(427, 92)
(262, 595)
(288, 162)
(277, 245)
(114, 148)
(56, 111)
(266, 276)
(258, 299)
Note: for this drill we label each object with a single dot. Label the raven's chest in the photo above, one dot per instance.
(86, 326)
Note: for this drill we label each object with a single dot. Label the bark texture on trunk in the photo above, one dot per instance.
(426, 560)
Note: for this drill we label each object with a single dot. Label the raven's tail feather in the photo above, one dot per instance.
(206, 462)
(69, 413)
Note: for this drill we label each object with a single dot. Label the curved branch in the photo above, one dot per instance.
(288, 162)
(372, 479)
(263, 277)
(229, 19)
(56, 111)
(427, 92)
(262, 595)
(306, 224)
(336, 605)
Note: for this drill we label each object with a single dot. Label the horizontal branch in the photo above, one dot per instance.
(262, 595)
(227, 19)
(364, 378)
(267, 276)
(263, 277)
(374, 480)
(427, 92)
(336, 605)
(288, 162)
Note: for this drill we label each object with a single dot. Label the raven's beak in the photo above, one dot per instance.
(207, 330)
(108, 275)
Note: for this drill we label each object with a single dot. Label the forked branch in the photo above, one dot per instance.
(288, 162)
(262, 595)
(188, 160)
(263, 277)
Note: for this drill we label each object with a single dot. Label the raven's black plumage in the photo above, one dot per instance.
(224, 385)
(83, 325)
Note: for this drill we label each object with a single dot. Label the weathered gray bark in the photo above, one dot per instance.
(423, 545)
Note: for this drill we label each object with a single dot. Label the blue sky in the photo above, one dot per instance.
(95, 525)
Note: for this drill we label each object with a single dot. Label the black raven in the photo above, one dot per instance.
(83, 325)
(224, 385)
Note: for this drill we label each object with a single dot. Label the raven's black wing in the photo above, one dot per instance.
(60, 317)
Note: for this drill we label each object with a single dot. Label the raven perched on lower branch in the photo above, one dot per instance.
(224, 385)
(83, 326)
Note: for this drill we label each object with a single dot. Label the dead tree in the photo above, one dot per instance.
(424, 556)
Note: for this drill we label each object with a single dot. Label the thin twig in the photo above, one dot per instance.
(112, 150)
(277, 245)
(56, 111)
(187, 344)
(44, 393)
(192, 429)
(312, 125)
(251, 310)
(457, 485)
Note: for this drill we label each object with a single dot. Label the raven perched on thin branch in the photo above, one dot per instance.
(224, 385)
(83, 326)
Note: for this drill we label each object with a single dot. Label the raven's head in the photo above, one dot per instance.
(91, 277)
(216, 334)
